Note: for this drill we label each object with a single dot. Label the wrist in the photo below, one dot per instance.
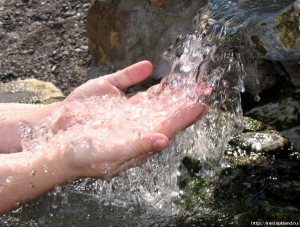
(51, 166)
(10, 140)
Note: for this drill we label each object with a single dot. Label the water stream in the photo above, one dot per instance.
(149, 195)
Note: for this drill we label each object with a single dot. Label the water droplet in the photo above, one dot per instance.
(257, 98)
(225, 84)
(33, 171)
(55, 205)
(42, 220)
(45, 168)
(93, 166)
(17, 203)
(58, 188)
(106, 203)
(242, 89)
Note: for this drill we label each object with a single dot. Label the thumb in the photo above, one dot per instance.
(146, 145)
(139, 149)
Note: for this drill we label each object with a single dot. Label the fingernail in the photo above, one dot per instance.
(202, 111)
(160, 144)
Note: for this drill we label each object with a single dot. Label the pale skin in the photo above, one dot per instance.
(22, 172)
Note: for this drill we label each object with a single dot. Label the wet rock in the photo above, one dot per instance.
(294, 135)
(280, 30)
(160, 2)
(293, 69)
(255, 184)
(256, 143)
(261, 74)
(279, 106)
(29, 91)
(260, 25)
(129, 31)
(266, 32)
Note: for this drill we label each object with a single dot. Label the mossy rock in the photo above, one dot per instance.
(257, 143)
(256, 184)
(29, 91)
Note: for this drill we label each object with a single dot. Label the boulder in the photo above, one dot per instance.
(29, 91)
(261, 74)
(125, 32)
(258, 25)
(254, 183)
(257, 143)
(294, 135)
(278, 107)
(278, 29)
(293, 69)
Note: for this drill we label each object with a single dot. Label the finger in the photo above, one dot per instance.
(182, 119)
(135, 162)
(100, 87)
(144, 145)
(130, 75)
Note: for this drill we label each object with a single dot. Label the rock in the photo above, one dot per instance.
(29, 91)
(261, 74)
(129, 31)
(261, 26)
(160, 2)
(252, 185)
(280, 30)
(293, 69)
(256, 143)
(294, 135)
(279, 107)
(30, 36)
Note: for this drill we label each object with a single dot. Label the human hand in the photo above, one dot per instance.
(102, 132)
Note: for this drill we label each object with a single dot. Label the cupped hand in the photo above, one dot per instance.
(104, 132)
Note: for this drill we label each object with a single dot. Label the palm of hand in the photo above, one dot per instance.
(108, 132)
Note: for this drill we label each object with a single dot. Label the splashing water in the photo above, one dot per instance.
(148, 193)
(153, 188)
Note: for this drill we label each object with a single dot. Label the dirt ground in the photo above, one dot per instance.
(46, 40)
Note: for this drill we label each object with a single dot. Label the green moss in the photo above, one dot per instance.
(252, 125)
(258, 46)
(288, 29)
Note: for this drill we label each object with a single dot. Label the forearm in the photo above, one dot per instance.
(10, 117)
(25, 176)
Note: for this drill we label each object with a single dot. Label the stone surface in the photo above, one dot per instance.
(293, 69)
(280, 30)
(282, 113)
(261, 74)
(257, 141)
(294, 135)
(259, 25)
(46, 40)
(160, 2)
(130, 31)
(252, 185)
(29, 91)
(279, 107)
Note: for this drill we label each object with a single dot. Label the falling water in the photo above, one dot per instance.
(148, 194)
